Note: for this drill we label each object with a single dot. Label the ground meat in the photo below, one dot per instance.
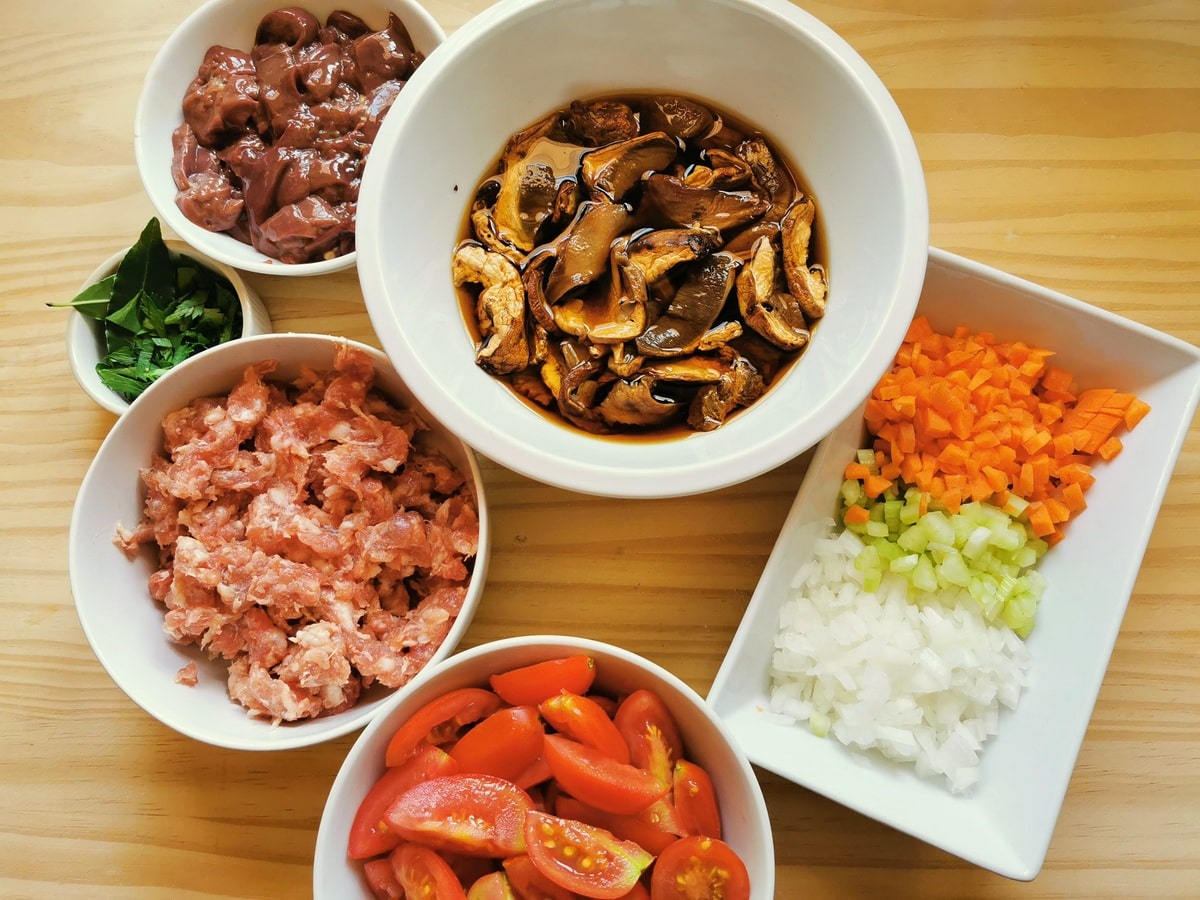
(308, 534)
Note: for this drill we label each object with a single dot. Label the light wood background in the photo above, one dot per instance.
(1061, 142)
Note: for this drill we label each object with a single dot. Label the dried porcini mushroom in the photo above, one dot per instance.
(639, 263)
(501, 307)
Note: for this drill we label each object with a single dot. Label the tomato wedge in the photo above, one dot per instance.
(530, 884)
(598, 779)
(439, 721)
(583, 719)
(534, 774)
(650, 733)
(506, 743)
(699, 868)
(381, 879)
(530, 685)
(422, 873)
(369, 835)
(695, 800)
(650, 835)
(639, 892)
(480, 815)
(582, 858)
(493, 886)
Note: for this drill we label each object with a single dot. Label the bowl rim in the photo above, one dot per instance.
(80, 329)
(221, 246)
(705, 472)
(298, 734)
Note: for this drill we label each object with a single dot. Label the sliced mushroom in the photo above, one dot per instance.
(739, 385)
(612, 317)
(623, 361)
(598, 122)
(693, 310)
(581, 253)
(725, 171)
(677, 116)
(720, 335)
(533, 279)
(531, 189)
(528, 384)
(568, 375)
(694, 369)
(808, 284)
(772, 312)
(500, 307)
(616, 168)
(657, 251)
(634, 404)
(667, 201)
(741, 243)
(771, 178)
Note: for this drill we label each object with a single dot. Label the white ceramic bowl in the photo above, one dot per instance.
(85, 335)
(1006, 823)
(780, 70)
(745, 823)
(233, 23)
(125, 626)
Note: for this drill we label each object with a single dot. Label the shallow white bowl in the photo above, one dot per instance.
(125, 626)
(780, 70)
(233, 23)
(1006, 824)
(85, 335)
(746, 825)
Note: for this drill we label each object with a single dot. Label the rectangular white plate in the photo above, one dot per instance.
(1006, 823)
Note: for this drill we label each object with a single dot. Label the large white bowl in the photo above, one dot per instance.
(745, 823)
(233, 23)
(1006, 823)
(125, 626)
(85, 335)
(779, 69)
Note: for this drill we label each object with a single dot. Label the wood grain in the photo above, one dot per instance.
(1061, 142)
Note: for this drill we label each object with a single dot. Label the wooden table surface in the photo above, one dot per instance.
(1061, 142)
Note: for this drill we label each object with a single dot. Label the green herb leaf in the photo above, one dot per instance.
(157, 311)
(92, 301)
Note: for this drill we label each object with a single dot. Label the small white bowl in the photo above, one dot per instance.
(85, 335)
(233, 23)
(1005, 824)
(773, 64)
(746, 825)
(124, 626)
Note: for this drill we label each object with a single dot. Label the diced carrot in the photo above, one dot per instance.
(1057, 380)
(856, 471)
(965, 416)
(1073, 497)
(1135, 412)
(874, 485)
(856, 515)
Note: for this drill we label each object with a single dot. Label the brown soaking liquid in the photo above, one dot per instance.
(772, 363)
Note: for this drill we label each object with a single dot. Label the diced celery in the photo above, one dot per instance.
(906, 563)
(877, 529)
(923, 576)
(976, 542)
(851, 491)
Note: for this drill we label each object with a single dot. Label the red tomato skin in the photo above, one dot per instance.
(695, 800)
(478, 815)
(650, 733)
(600, 780)
(493, 886)
(582, 719)
(422, 873)
(530, 685)
(538, 772)
(599, 865)
(530, 884)
(439, 720)
(698, 868)
(369, 835)
(381, 879)
(637, 829)
(504, 744)
(639, 892)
